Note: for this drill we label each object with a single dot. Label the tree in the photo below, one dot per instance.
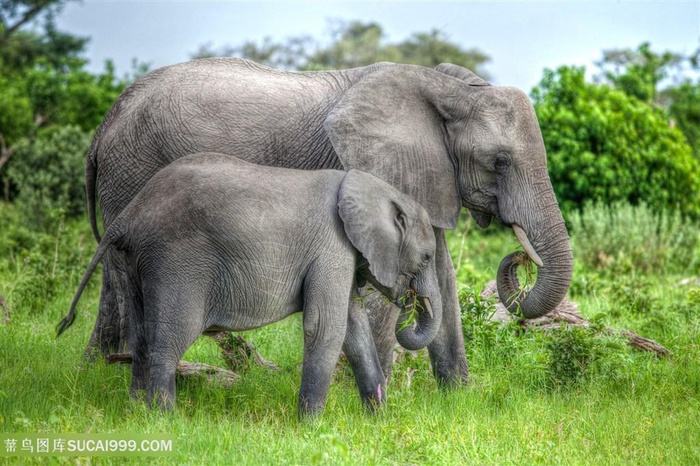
(49, 105)
(662, 79)
(354, 44)
(292, 55)
(432, 48)
(684, 109)
(639, 72)
(604, 145)
(20, 48)
(47, 173)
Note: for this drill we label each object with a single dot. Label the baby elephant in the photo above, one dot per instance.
(213, 242)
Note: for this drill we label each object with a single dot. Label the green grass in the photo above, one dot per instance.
(567, 397)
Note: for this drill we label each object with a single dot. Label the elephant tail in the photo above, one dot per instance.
(91, 172)
(113, 234)
(90, 180)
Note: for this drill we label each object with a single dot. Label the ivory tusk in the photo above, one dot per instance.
(522, 237)
(428, 307)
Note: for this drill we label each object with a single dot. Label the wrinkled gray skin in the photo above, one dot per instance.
(214, 243)
(443, 136)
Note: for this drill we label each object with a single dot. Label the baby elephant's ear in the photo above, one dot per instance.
(370, 216)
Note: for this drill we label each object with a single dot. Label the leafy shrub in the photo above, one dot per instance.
(47, 174)
(571, 350)
(579, 353)
(542, 359)
(685, 110)
(476, 316)
(606, 146)
(625, 239)
(487, 341)
(501, 349)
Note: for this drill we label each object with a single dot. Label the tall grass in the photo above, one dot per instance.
(573, 396)
(635, 239)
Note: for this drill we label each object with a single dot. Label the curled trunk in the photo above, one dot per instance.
(427, 322)
(552, 249)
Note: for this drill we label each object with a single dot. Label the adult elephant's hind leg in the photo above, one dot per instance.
(106, 335)
(447, 354)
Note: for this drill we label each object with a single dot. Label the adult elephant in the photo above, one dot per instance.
(443, 136)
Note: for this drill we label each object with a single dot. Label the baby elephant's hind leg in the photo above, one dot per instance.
(168, 337)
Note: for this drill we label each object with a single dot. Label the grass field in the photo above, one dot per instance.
(571, 396)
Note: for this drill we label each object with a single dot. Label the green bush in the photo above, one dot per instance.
(581, 353)
(606, 146)
(46, 174)
(563, 357)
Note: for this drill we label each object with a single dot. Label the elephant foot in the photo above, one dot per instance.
(450, 372)
(451, 380)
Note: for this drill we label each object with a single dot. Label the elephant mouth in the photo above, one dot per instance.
(410, 299)
(483, 219)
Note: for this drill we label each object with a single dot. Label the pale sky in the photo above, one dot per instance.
(522, 38)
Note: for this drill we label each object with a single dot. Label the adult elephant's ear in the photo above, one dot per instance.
(369, 217)
(462, 73)
(389, 124)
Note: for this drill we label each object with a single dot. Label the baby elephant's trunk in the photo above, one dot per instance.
(420, 318)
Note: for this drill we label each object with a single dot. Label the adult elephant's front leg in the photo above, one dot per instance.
(447, 354)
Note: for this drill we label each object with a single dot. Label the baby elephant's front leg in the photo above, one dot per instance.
(325, 322)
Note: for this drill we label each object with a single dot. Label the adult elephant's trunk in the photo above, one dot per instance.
(546, 242)
(424, 299)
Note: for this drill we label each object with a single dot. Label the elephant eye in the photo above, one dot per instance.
(426, 258)
(502, 163)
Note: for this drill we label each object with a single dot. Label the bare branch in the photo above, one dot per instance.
(5, 153)
(28, 15)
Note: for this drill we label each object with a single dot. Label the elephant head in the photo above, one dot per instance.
(394, 235)
(450, 140)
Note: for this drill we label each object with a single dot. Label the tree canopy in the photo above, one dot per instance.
(605, 145)
(661, 79)
(353, 44)
(49, 106)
